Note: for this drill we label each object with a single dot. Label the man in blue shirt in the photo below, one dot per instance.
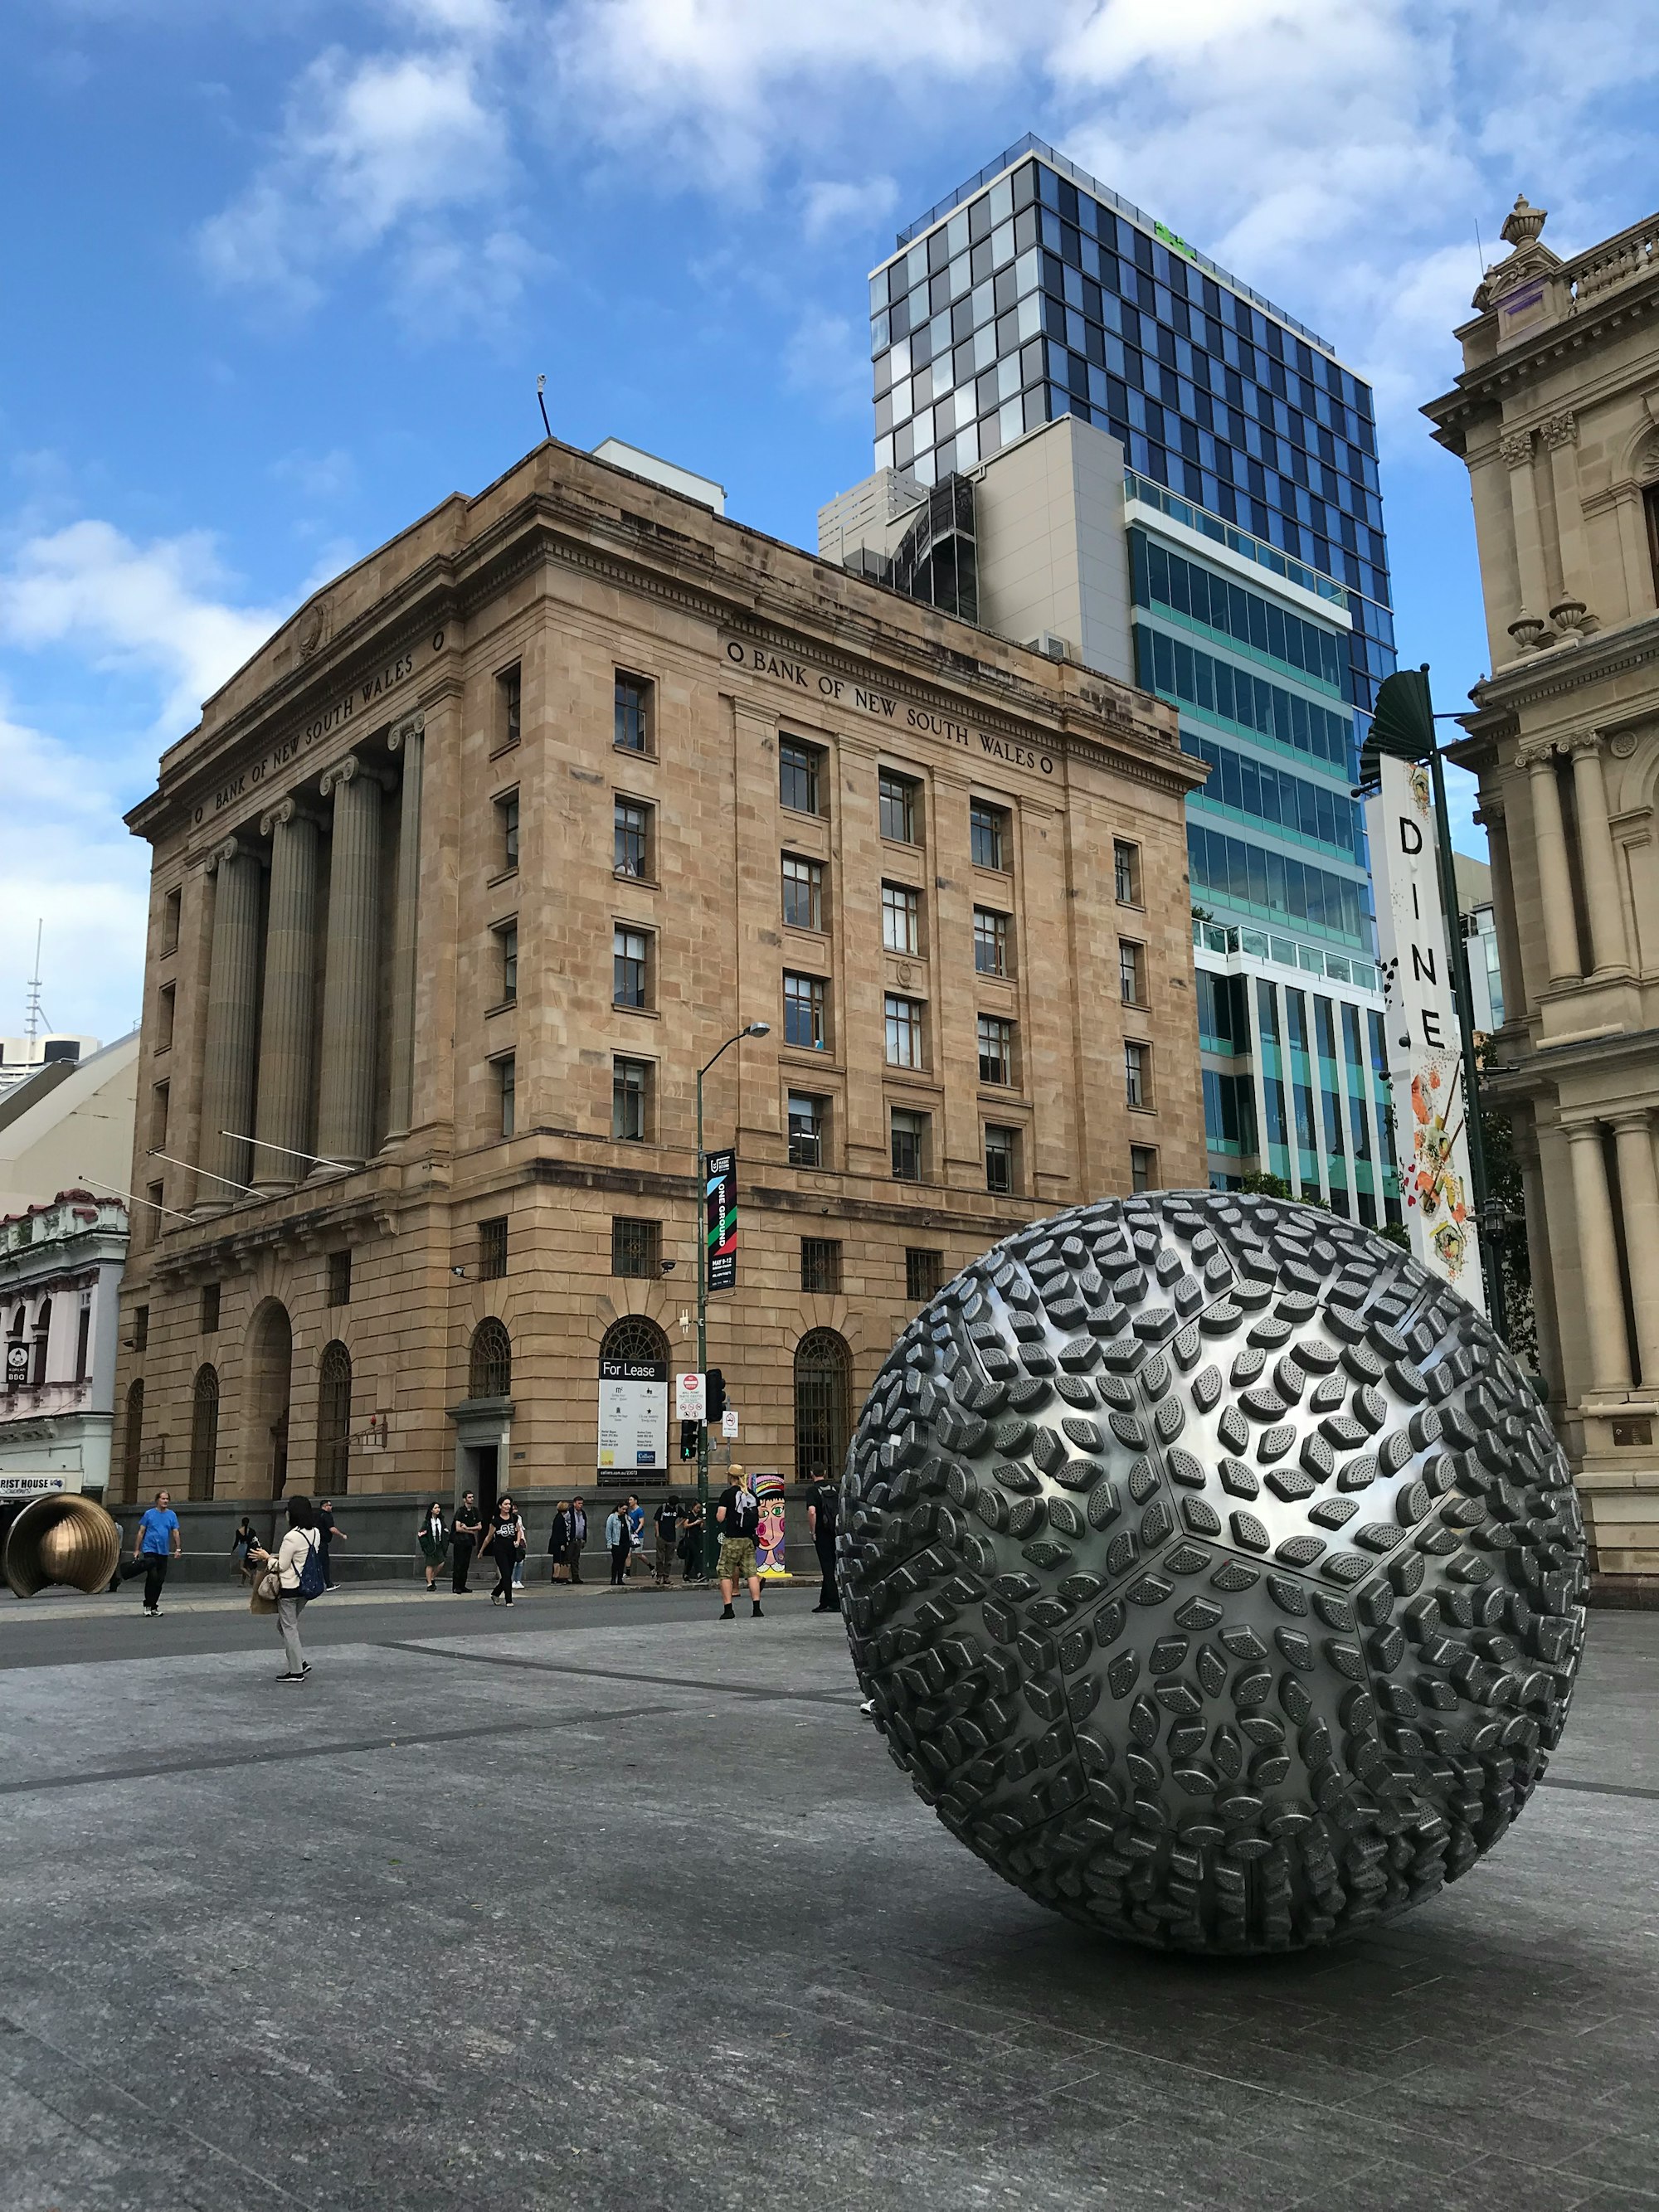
(154, 1544)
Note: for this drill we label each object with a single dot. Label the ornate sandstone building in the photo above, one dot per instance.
(464, 876)
(1556, 415)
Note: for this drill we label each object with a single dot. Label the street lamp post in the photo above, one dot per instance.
(750, 1028)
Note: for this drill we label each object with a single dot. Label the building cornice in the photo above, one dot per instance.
(1561, 670)
(1485, 389)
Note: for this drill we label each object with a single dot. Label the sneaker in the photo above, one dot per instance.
(304, 1670)
(290, 1678)
(152, 1613)
(728, 1615)
(826, 1609)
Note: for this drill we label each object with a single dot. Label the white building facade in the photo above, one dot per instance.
(60, 1280)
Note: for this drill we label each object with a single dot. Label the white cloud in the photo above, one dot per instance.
(828, 360)
(829, 208)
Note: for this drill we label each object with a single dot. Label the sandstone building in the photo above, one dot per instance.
(1556, 415)
(464, 876)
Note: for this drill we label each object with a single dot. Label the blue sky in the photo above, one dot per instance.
(278, 277)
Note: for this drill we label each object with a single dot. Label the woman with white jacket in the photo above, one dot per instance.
(289, 1563)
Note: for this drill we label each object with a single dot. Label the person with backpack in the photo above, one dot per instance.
(505, 1546)
(738, 1518)
(294, 1576)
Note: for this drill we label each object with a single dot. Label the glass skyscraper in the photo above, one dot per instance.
(1257, 600)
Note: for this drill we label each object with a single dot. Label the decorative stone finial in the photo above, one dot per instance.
(1523, 223)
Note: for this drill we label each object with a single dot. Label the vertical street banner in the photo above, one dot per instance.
(720, 1196)
(768, 1538)
(1425, 1061)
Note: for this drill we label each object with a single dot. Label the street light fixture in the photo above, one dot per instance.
(750, 1029)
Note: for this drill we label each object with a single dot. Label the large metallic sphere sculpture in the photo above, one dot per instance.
(1214, 1572)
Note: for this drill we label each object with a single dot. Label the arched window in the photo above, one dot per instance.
(204, 1432)
(42, 1332)
(824, 1389)
(133, 1444)
(489, 1365)
(635, 1338)
(333, 1421)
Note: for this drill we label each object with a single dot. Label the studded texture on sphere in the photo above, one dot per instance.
(1214, 1571)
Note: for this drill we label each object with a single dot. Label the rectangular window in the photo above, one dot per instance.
(632, 835)
(156, 1212)
(901, 918)
(988, 836)
(803, 1002)
(507, 1085)
(909, 1139)
(634, 733)
(630, 1100)
(1126, 872)
(1001, 1160)
(171, 906)
(164, 1012)
(904, 1031)
(630, 951)
(803, 893)
(996, 1050)
(820, 1264)
(83, 1340)
(141, 1329)
(492, 1249)
(636, 1247)
(1137, 1074)
(506, 937)
(1143, 1168)
(158, 1116)
(506, 831)
(807, 1117)
(923, 1271)
(1131, 973)
(508, 694)
(800, 774)
(990, 942)
(209, 1309)
(899, 806)
(338, 1291)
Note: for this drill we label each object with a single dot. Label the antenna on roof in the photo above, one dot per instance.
(34, 1017)
(541, 387)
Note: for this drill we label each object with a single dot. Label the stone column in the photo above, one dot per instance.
(1598, 1259)
(1541, 1263)
(1516, 450)
(1639, 1189)
(1560, 435)
(1554, 882)
(1490, 814)
(290, 999)
(232, 1015)
(409, 738)
(345, 1101)
(1597, 855)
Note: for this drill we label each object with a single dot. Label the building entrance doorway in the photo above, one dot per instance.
(482, 1461)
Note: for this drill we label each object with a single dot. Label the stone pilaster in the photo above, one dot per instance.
(1569, 605)
(1554, 882)
(1600, 863)
(1638, 1191)
(1516, 448)
(345, 1101)
(231, 1042)
(408, 739)
(1598, 1259)
(290, 997)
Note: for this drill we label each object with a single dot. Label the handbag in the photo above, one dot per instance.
(267, 1588)
(257, 1601)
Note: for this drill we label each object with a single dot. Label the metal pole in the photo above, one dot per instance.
(702, 1315)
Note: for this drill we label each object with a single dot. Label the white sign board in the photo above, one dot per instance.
(633, 1413)
(729, 1422)
(35, 1485)
(1425, 1061)
(690, 1398)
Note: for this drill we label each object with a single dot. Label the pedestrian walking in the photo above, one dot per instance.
(435, 1542)
(155, 1544)
(667, 1520)
(464, 1536)
(822, 1506)
(636, 1532)
(619, 1537)
(505, 1548)
(738, 1518)
(297, 1573)
(691, 1544)
(578, 1538)
(558, 1541)
(328, 1531)
(241, 1544)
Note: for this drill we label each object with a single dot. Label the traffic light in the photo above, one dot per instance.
(716, 1395)
(688, 1440)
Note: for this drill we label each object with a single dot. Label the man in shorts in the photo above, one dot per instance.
(738, 1518)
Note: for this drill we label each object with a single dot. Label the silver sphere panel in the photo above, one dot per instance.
(1213, 1570)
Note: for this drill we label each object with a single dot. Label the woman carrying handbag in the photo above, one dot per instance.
(505, 1545)
(293, 1577)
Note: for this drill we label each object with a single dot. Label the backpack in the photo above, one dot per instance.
(312, 1583)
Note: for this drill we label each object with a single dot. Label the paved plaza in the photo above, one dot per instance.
(606, 1904)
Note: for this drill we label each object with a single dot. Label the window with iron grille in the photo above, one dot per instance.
(333, 1422)
(990, 942)
(209, 1309)
(923, 1272)
(630, 1086)
(820, 1263)
(632, 834)
(492, 1249)
(909, 1143)
(507, 938)
(804, 1000)
(1131, 973)
(823, 1406)
(988, 836)
(508, 697)
(630, 958)
(633, 719)
(800, 774)
(507, 1092)
(489, 1361)
(1001, 1159)
(901, 918)
(807, 1117)
(1137, 1074)
(635, 1248)
(506, 831)
(1143, 1168)
(1126, 872)
(803, 893)
(899, 806)
(996, 1050)
(204, 1432)
(339, 1278)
